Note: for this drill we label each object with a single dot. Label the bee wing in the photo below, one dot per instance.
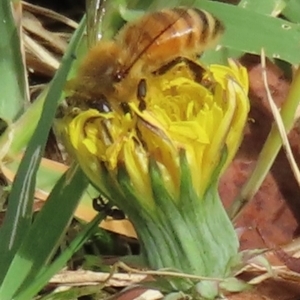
(137, 35)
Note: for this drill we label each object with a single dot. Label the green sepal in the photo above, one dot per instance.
(186, 232)
(205, 245)
(177, 296)
(132, 199)
(167, 285)
(208, 289)
(241, 259)
(234, 285)
(177, 232)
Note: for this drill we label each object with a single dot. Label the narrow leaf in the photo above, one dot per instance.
(12, 76)
(18, 217)
(42, 239)
(254, 34)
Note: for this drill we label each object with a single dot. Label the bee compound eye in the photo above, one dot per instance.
(105, 108)
(101, 105)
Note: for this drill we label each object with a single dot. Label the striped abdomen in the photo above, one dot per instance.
(161, 36)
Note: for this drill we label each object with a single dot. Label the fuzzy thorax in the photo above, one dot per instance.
(97, 77)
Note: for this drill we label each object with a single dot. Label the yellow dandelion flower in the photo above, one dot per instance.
(161, 165)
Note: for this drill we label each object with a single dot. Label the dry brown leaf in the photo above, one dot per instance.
(83, 277)
(44, 48)
(38, 58)
(33, 26)
(36, 9)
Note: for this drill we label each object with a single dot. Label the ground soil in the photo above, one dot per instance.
(272, 217)
(274, 211)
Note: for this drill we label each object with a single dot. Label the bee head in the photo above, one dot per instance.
(98, 69)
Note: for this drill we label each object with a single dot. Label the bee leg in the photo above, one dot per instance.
(141, 94)
(101, 206)
(125, 107)
(197, 70)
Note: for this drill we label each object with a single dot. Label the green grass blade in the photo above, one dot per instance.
(44, 235)
(18, 216)
(12, 76)
(266, 7)
(56, 266)
(292, 11)
(15, 138)
(279, 38)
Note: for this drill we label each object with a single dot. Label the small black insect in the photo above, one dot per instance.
(102, 205)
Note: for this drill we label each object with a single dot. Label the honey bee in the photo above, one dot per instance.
(115, 71)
